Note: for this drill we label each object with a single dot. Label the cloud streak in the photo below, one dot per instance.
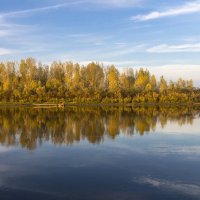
(36, 10)
(4, 51)
(3, 33)
(189, 189)
(188, 8)
(117, 3)
(111, 3)
(165, 48)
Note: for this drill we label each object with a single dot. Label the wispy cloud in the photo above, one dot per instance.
(12, 31)
(4, 51)
(4, 33)
(189, 189)
(122, 50)
(165, 48)
(36, 10)
(117, 3)
(188, 8)
(120, 64)
(113, 3)
(181, 150)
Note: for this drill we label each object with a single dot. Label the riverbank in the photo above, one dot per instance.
(61, 105)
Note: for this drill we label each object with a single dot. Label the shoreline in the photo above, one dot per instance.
(62, 105)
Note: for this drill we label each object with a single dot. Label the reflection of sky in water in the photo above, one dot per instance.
(157, 165)
(174, 127)
(190, 189)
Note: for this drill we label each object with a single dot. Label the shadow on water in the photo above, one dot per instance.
(29, 127)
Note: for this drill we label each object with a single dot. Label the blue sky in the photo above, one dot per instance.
(162, 35)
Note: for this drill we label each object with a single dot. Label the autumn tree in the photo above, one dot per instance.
(142, 79)
(29, 81)
(162, 85)
(113, 81)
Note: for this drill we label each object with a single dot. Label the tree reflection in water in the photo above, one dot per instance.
(29, 127)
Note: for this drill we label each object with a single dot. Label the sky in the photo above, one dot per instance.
(161, 35)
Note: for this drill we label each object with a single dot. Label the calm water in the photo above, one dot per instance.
(99, 153)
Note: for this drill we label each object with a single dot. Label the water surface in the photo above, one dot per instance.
(100, 153)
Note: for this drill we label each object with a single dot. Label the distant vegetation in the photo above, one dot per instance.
(29, 82)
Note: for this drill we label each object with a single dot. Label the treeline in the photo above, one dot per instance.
(29, 81)
(29, 127)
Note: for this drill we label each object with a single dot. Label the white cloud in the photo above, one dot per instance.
(14, 31)
(122, 50)
(35, 10)
(113, 3)
(105, 63)
(109, 63)
(4, 51)
(117, 3)
(173, 72)
(181, 150)
(164, 48)
(3, 33)
(188, 8)
(189, 189)
(120, 43)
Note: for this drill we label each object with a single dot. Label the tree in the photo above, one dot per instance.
(162, 85)
(29, 81)
(142, 79)
(153, 83)
(113, 81)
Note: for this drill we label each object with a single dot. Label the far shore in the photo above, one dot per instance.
(60, 105)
